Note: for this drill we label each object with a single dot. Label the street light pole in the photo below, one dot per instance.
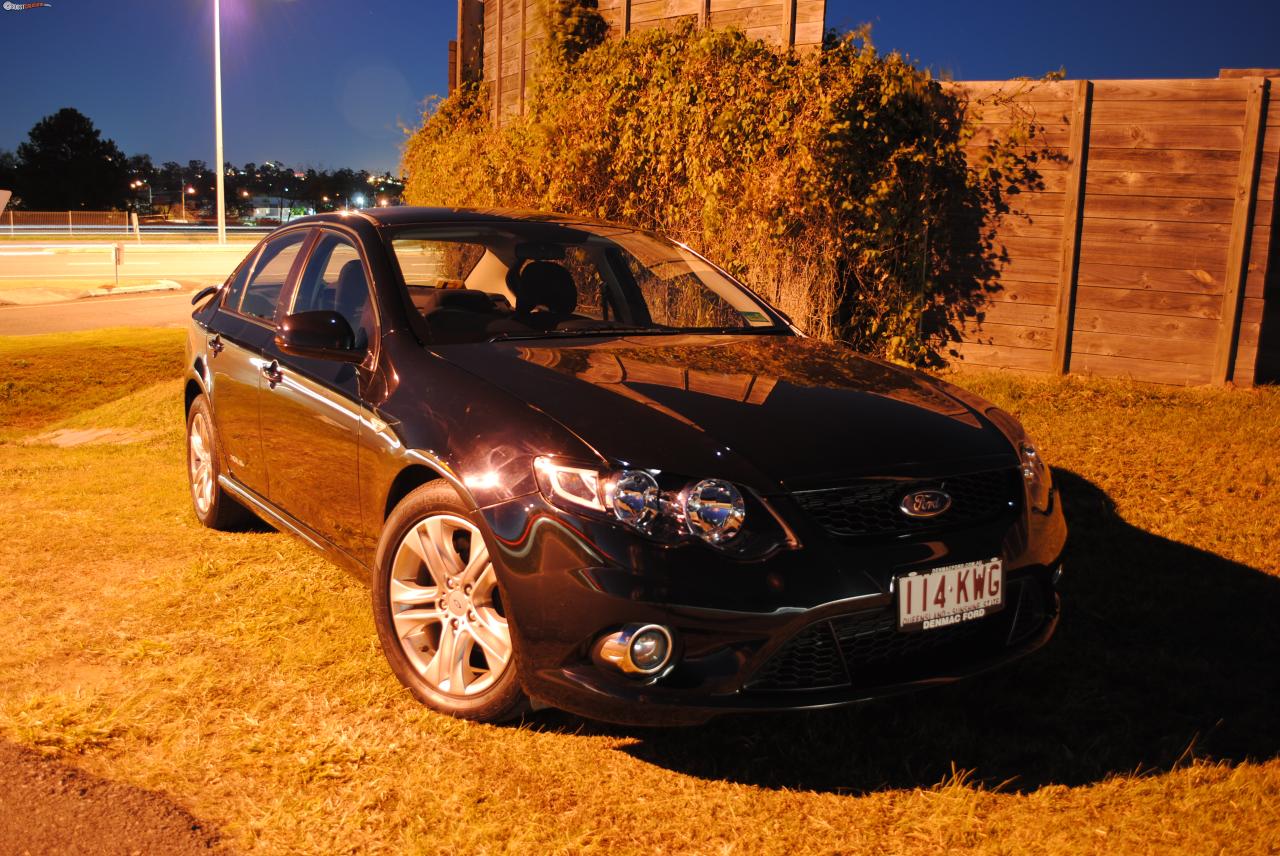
(217, 119)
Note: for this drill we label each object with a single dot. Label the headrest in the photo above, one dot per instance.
(548, 285)
(430, 300)
(350, 275)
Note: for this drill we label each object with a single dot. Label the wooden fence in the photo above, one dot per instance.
(1150, 250)
(512, 33)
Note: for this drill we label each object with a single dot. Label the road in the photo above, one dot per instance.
(162, 309)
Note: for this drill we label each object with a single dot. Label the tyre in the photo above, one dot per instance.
(439, 610)
(214, 507)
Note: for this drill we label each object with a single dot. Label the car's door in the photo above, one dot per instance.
(240, 332)
(311, 412)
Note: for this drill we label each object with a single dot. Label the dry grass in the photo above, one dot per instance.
(240, 674)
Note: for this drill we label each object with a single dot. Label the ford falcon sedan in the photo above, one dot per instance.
(581, 466)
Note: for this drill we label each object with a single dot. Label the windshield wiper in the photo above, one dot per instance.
(570, 334)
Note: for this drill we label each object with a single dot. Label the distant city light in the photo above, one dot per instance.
(359, 200)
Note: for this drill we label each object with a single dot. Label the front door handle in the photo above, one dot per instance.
(271, 371)
(215, 344)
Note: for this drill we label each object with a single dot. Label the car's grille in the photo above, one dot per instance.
(867, 649)
(870, 506)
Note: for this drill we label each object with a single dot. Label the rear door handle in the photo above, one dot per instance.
(271, 371)
(215, 344)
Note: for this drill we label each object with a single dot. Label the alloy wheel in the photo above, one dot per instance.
(200, 461)
(446, 607)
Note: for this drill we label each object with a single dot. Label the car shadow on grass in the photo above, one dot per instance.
(1164, 653)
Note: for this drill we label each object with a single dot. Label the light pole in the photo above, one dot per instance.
(217, 118)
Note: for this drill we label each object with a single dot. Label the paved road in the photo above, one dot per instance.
(77, 261)
(162, 309)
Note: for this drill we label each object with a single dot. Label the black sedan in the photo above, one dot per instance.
(581, 466)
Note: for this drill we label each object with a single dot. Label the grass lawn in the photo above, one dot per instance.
(240, 673)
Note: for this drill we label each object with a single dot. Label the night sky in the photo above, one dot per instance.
(327, 84)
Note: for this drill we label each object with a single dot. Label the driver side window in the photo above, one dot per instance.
(335, 280)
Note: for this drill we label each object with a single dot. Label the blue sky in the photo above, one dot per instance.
(326, 84)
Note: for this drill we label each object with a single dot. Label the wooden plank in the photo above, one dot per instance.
(1029, 269)
(1157, 135)
(1042, 90)
(1203, 281)
(1141, 324)
(1046, 113)
(1104, 230)
(1002, 356)
(1148, 301)
(789, 24)
(1072, 215)
(1033, 204)
(1178, 185)
(1153, 371)
(1175, 257)
(1202, 161)
(1012, 335)
(1168, 112)
(1023, 314)
(1144, 347)
(1241, 226)
(984, 134)
(1171, 90)
(1014, 291)
(1162, 208)
(1042, 226)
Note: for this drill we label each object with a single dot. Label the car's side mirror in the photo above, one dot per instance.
(320, 335)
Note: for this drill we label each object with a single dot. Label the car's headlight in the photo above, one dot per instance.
(714, 510)
(1035, 472)
(578, 486)
(662, 506)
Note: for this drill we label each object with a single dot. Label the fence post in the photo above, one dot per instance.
(497, 65)
(137, 228)
(1072, 221)
(789, 24)
(70, 229)
(1246, 197)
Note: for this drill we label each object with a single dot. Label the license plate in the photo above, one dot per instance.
(950, 595)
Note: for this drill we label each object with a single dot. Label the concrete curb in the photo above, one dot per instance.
(161, 285)
(40, 296)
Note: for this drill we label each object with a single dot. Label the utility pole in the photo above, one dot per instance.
(217, 120)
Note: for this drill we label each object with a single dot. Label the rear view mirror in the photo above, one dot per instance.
(319, 334)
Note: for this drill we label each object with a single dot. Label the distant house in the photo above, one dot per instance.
(273, 208)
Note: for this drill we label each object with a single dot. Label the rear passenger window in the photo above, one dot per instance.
(269, 275)
(235, 291)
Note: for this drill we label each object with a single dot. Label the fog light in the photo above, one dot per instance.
(639, 650)
(649, 649)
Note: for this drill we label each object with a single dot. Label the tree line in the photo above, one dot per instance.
(66, 164)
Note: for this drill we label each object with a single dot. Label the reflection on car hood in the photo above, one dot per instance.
(771, 411)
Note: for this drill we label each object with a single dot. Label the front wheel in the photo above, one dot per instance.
(439, 610)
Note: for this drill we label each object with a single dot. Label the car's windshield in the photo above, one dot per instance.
(481, 282)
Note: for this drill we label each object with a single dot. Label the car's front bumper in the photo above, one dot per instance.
(807, 628)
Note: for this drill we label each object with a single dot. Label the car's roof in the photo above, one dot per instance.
(413, 215)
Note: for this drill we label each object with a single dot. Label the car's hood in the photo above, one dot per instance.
(771, 411)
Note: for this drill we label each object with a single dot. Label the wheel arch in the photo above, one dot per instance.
(193, 390)
(413, 477)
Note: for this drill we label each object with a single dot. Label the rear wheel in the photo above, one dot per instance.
(439, 610)
(213, 506)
